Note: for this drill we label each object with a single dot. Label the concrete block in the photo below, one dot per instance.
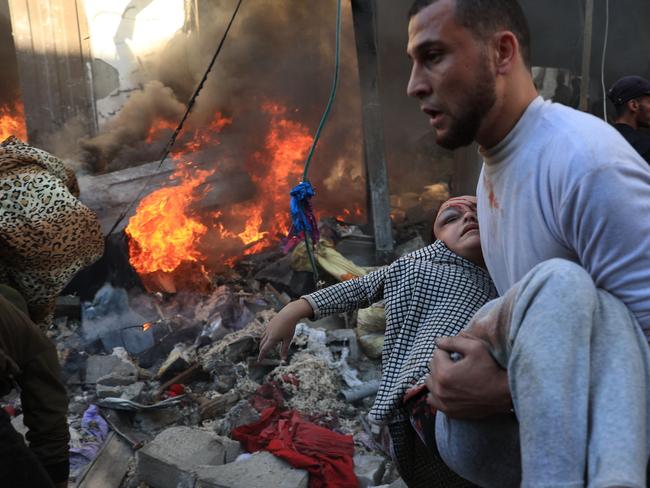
(123, 374)
(105, 391)
(171, 459)
(261, 470)
(109, 467)
(132, 392)
(369, 469)
(233, 449)
(98, 366)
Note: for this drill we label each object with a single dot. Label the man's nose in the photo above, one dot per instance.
(417, 86)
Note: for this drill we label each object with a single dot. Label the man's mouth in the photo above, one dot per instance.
(434, 115)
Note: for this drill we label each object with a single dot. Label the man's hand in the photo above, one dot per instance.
(472, 387)
(282, 327)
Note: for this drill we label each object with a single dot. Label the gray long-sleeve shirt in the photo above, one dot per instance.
(564, 184)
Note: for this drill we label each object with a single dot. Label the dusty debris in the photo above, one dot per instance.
(311, 383)
(192, 370)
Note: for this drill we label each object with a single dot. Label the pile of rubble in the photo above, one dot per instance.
(159, 382)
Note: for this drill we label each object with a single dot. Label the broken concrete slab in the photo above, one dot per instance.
(133, 392)
(153, 421)
(369, 469)
(105, 391)
(171, 459)
(261, 470)
(109, 467)
(123, 374)
(98, 366)
(242, 413)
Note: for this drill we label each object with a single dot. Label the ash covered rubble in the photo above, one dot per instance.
(159, 383)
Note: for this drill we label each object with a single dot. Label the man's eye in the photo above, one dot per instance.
(433, 56)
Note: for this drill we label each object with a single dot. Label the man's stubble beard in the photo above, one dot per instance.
(465, 124)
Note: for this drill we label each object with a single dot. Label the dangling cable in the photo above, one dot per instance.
(335, 82)
(602, 65)
(301, 209)
(190, 104)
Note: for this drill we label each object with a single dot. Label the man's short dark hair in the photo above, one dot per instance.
(485, 17)
(621, 110)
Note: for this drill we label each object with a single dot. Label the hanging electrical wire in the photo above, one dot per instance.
(302, 214)
(190, 104)
(602, 64)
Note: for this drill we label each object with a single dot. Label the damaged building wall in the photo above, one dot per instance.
(51, 42)
(125, 34)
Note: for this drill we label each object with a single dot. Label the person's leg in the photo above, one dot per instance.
(483, 452)
(578, 371)
(618, 408)
(560, 326)
(419, 465)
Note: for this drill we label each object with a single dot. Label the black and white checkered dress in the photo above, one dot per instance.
(429, 293)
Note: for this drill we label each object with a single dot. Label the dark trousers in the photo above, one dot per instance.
(414, 448)
(19, 467)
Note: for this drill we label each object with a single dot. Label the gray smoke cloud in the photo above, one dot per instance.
(125, 135)
(277, 51)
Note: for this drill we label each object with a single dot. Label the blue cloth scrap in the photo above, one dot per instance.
(302, 213)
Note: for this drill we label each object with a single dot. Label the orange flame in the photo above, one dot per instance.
(251, 232)
(204, 136)
(162, 234)
(146, 326)
(158, 128)
(12, 121)
(346, 214)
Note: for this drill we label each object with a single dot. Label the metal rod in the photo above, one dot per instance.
(586, 55)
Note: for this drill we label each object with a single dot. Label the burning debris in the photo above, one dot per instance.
(168, 370)
(191, 380)
(12, 121)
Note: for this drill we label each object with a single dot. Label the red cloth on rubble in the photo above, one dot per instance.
(326, 455)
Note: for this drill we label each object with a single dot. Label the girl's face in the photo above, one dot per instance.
(457, 226)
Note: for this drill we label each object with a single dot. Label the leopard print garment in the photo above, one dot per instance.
(46, 233)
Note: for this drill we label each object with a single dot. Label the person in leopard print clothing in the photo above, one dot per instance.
(46, 234)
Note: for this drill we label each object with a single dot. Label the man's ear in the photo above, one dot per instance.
(506, 48)
(633, 105)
